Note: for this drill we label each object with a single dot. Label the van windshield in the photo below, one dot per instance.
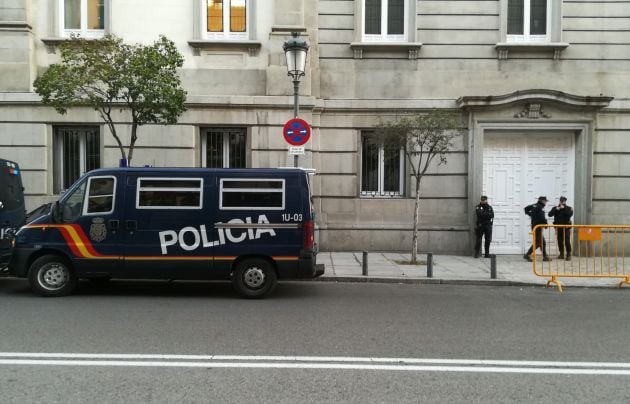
(73, 204)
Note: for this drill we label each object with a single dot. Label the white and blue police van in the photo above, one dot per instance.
(250, 226)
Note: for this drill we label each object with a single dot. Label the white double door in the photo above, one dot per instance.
(517, 169)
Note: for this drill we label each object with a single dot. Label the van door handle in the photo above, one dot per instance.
(113, 224)
(131, 225)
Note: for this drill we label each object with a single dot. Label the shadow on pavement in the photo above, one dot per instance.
(184, 289)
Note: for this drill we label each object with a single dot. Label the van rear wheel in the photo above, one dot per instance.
(254, 278)
(52, 275)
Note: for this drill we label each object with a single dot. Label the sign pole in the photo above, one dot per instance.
(296, 110)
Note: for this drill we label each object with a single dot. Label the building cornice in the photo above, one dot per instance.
(411, 48)
(504, 48)
(252, 47)
(365, 105)
(15, 26)
(535, 95)
(193, 101)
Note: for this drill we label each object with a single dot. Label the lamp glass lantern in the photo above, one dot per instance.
(295, 51)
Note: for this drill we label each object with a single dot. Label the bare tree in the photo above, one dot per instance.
(423, 136)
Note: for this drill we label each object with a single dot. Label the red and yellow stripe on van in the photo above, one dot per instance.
(76, 240)
(82, 247)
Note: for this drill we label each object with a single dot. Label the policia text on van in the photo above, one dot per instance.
(252, 226)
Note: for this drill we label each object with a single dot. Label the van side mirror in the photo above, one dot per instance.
(55, 213)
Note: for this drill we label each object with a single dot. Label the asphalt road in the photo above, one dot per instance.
(314, 342)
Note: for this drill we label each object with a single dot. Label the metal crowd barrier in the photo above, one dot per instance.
(598, 251)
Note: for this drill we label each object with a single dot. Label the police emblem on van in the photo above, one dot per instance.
(98, 231)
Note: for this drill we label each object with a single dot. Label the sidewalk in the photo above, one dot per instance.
(512, 270)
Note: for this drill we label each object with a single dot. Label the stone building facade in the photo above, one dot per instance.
(543, 87)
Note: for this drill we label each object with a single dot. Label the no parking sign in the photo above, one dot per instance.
(296, 131)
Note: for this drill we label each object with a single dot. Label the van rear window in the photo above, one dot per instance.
(169, 193)
(250, 194)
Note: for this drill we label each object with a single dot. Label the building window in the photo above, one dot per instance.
(77, 150)
(223, 147)
(385, 20)
(528, 20)
(85, 18)
(226, 19)
(382, 167)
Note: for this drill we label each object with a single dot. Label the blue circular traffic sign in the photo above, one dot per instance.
(296, 131)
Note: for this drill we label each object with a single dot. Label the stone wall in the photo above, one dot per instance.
(453, 49)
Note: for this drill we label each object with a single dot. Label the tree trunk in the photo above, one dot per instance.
(416, 221)
(120, 145)
(106, 116)
(132, 141)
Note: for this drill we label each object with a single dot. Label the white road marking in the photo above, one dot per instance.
(321, 365)
(316, 359)
(313, 362)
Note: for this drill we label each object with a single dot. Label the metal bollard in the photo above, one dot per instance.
(493, 266)
(365, 263)
(430, 265)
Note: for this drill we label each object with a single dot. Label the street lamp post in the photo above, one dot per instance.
(295, 50)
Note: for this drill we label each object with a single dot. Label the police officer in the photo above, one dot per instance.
(485, 215)
(562, 215)
(537, 214)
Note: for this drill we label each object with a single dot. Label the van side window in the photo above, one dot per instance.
(250, 194)
(100, 199)
(169, 193)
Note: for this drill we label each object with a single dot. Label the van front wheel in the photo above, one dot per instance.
(254, 278)
(51, 275)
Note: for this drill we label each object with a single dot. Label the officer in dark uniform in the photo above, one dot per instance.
(562, 215)
(485, 215)
(537, 214)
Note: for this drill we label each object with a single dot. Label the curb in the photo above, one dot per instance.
(438, 281)
(423, 281)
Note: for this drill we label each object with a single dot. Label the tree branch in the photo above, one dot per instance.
(107, 117)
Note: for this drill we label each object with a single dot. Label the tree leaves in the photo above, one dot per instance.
(106, 74)
(423, 137)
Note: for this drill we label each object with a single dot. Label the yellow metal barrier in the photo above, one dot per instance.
(598, 251)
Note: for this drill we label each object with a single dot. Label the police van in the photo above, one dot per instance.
(251, 226)
(12, 213)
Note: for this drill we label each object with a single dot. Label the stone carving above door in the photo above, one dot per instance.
(532, 111)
